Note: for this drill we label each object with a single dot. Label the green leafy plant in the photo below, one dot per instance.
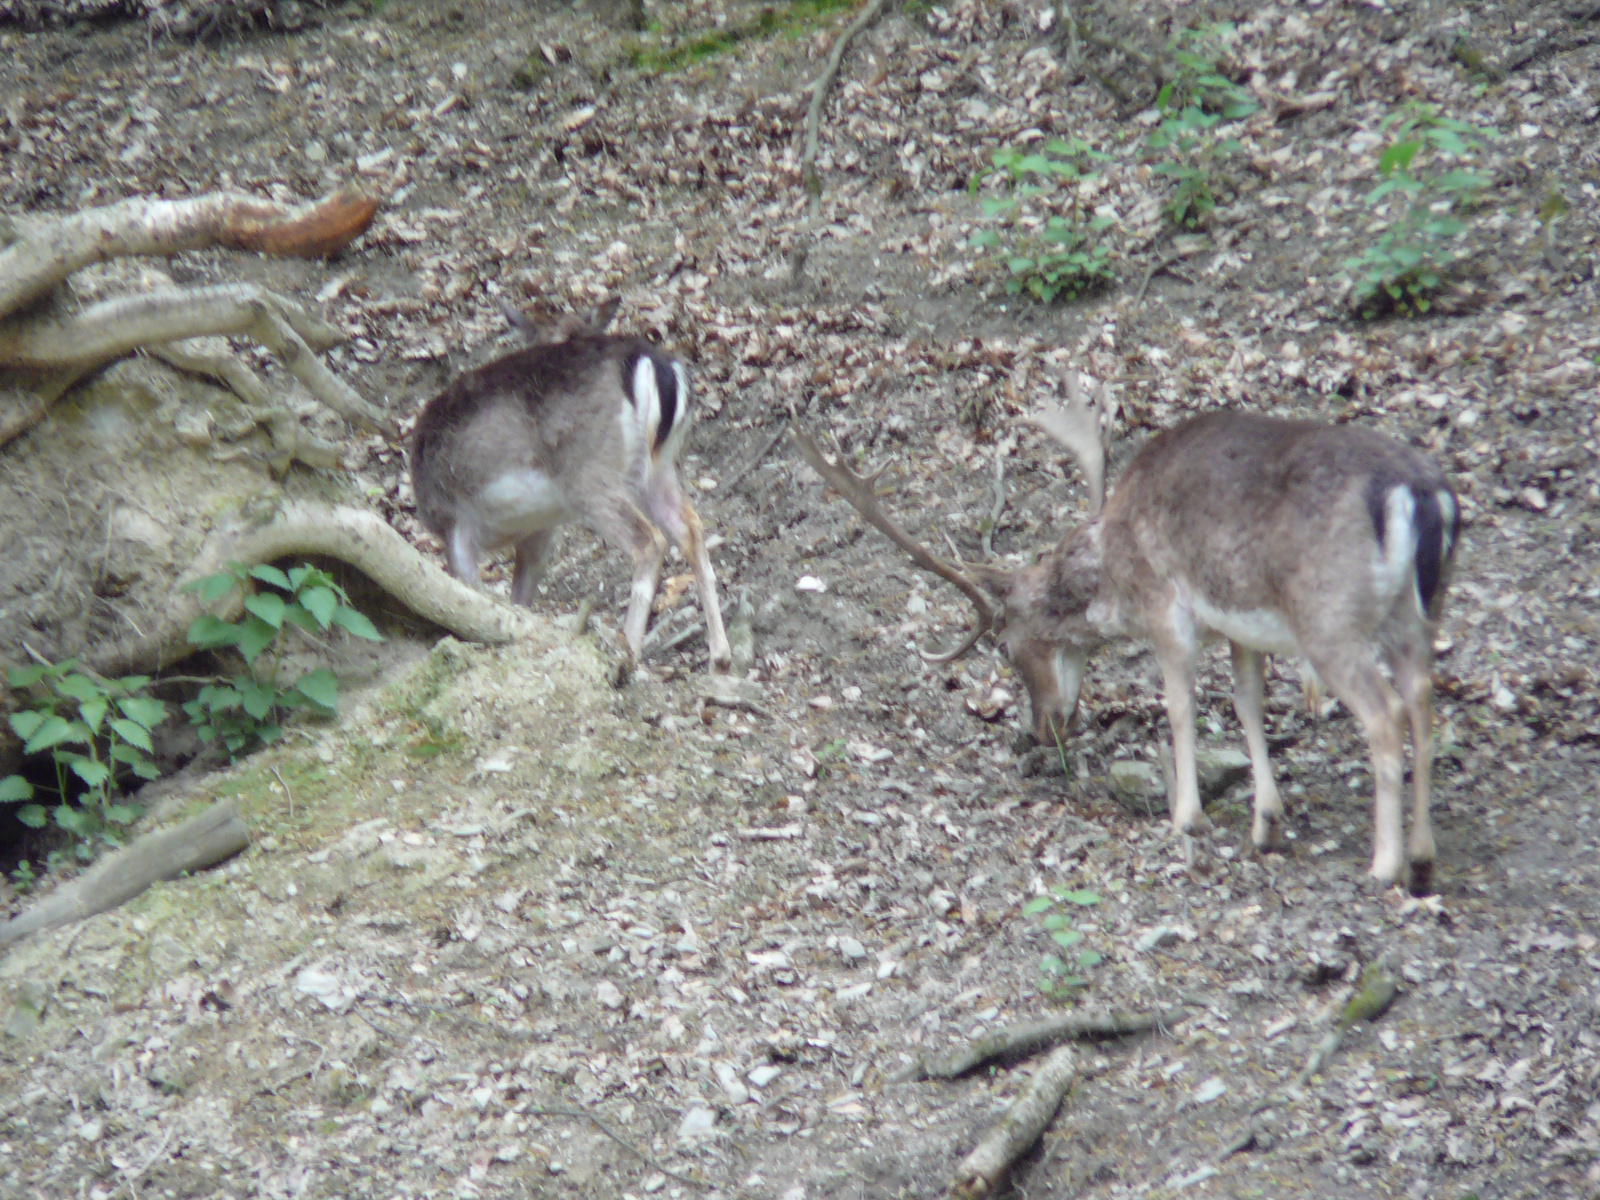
(1197, 79)
(1059, 977)
(97, 734)
(1193, 102)
(1193, 159)
(1046, 254)
(23, 877)
(248, 711)
(1406, 266)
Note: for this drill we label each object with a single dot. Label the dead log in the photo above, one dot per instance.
(201, 841)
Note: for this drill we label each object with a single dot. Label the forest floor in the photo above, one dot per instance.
(500, 912)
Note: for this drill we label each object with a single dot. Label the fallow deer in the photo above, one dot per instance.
(580, 426)
(1333, 543)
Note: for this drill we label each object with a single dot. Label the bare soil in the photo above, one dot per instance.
(505, 930)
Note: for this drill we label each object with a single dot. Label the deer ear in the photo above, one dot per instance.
(997, 580)
(602, 316)
(516, 318)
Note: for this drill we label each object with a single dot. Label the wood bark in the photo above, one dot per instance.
(1017, 1040)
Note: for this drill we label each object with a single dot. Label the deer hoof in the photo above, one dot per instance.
(1422, 878)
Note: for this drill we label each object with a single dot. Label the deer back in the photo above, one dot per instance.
(583, 415)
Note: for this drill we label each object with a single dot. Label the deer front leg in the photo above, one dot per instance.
(1249, 687)
(694, 549)
(1177, 669)
(461, 551)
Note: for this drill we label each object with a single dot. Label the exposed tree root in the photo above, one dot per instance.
(46, 250)
(352, 535)
(214, 835)
(113, 328)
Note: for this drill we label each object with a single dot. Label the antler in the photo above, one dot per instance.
(1077, 427)
(860, 492)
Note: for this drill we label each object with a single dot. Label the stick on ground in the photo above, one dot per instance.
(981, 1172)
(1023, 1039)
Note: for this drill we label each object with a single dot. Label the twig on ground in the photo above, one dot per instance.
(809, 178)
(580, 621)
(285, 788)
(1035, 1035)
(1377, 991)
(131, 1181)
(665, 645)
(759, 458)
(618, 1139)
(819, 97)
(1008, 1139)
(416, 1009)
(1160, 265)
(1000, 451)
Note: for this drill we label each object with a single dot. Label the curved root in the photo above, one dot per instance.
(352, 535)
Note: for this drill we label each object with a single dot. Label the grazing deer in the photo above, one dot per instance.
(1285, 537)
(579, 426)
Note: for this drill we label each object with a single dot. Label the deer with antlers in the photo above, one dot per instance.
(1333, 543)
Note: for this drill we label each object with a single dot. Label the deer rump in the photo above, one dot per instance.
(496, 445)
(1332, 543)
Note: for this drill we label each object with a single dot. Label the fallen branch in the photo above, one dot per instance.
(616, 1137)
(819, 96)
(809, 178)
(1000, 450)
(760, 457)
(351, 535)
(214, 835)
(47, 250)
(1370, 1001)
(1377, 991)
(1024, 1039)
(1155, 269)
(981, 1172)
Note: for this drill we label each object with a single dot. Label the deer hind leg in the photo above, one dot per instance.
(1361, 687)
(1415, 683)
(531, 554)
(461, 550)
(694, 549)
(1249, 690)
(624, 526)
